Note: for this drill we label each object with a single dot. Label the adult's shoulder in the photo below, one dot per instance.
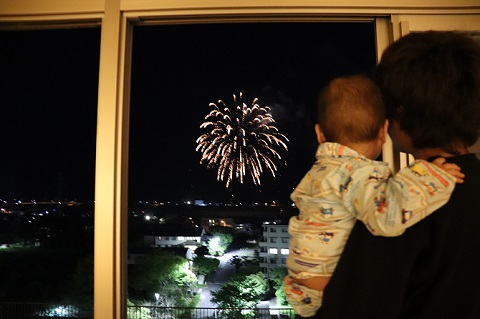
(469, 158)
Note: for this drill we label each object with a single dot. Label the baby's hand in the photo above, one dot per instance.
(452, 169)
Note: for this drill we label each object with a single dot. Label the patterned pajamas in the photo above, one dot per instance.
(341, 187)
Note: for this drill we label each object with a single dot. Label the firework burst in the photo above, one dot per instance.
(240, 139)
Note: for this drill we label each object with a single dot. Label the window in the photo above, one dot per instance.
(48, 97)
(273, 251)
(207, 63)
(182, 73)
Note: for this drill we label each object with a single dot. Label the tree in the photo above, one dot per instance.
(137, 312)
(152, 271)
(204, 265)
(165, 275)
(222, 237)
(201, 251)
(82, 281)
(183, 276)
(243, 292)
(245, 265)
(237, 262)
(173, 295)
(277, 275)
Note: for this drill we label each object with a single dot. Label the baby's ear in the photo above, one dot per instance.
(383, 132)
(320, 136)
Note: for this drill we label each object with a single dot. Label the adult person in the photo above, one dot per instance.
(430, 82)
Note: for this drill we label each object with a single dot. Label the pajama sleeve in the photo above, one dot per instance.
(388, 205)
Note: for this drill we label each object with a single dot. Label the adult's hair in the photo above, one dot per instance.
(350, 109)
(430, 82)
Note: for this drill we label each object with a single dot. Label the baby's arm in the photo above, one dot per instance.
(303, 299)
(389, 205)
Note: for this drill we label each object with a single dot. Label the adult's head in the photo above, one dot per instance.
(350, 110)
(430, 83)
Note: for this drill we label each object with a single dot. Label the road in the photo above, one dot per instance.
(222, 275)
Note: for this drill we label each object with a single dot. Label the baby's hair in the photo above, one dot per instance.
(350, 110)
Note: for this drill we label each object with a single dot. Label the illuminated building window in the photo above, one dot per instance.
(273, 251)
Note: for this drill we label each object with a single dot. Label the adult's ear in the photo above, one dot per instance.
(383, 132)
(320, 136)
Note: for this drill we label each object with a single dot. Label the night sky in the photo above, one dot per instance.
(48, 94)
(48, 97)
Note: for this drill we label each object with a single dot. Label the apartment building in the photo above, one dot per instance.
(189, 237)
(274, 246)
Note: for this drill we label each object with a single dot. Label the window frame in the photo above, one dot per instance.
(117, 18)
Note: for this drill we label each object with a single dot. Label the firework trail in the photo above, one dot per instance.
(239, 140)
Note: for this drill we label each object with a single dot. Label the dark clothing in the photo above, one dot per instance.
(431, 271)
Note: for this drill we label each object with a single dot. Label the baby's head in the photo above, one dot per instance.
(351, 112)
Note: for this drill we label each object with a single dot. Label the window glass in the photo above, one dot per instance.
(48, 99)
(179, 70)
(273, 251)
(187, 81)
